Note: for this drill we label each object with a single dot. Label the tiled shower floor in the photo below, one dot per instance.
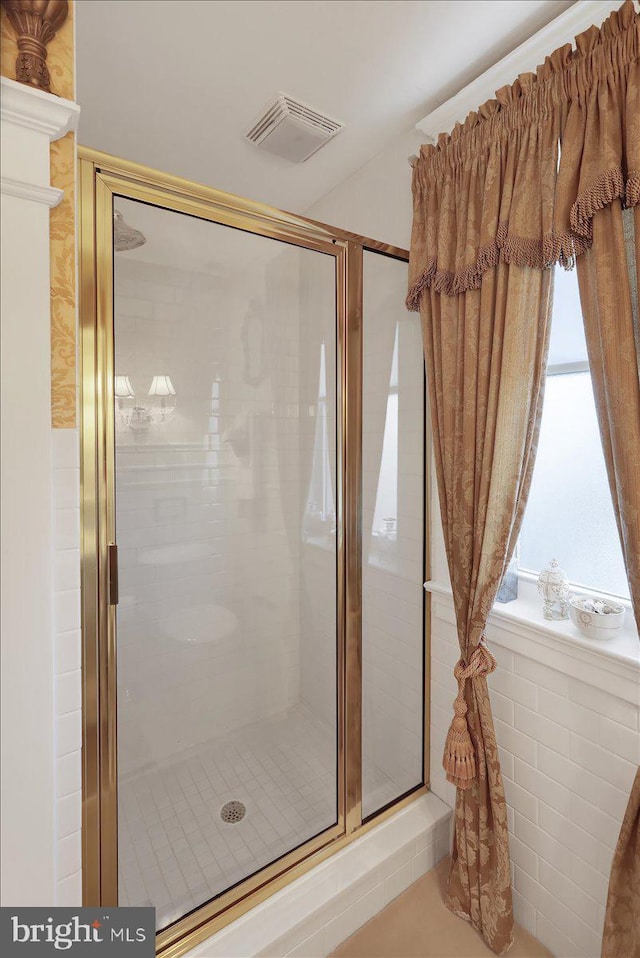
(175, 852)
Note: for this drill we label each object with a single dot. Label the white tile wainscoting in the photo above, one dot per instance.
(65, 444)
(566, 715)
(312, 915)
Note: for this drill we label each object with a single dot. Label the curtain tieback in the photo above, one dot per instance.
(459, 760)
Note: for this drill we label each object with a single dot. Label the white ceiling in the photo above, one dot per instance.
(175, 83)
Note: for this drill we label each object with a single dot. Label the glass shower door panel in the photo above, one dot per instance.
(393, 528)
(225, 425)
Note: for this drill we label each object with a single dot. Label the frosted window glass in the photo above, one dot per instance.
(567, 343)
(570, 515)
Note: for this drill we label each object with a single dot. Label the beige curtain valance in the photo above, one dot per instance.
(521, 179)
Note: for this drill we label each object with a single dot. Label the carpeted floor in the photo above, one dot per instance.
(417, 925)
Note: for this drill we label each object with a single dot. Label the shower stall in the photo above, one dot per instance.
(254, 515)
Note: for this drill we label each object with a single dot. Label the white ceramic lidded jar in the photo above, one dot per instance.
(553, 586)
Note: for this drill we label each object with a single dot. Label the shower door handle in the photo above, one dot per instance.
(113, 574)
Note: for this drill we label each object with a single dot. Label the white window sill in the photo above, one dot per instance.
(521, 627)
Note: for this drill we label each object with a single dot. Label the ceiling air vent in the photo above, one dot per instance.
(291, 129)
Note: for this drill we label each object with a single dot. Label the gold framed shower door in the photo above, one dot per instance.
(102, 176)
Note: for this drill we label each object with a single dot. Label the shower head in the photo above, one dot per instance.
(125, 237)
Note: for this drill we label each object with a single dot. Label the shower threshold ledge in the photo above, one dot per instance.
(318, 911)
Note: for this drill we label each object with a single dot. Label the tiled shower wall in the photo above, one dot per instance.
(318, 543)
(176, 536)
(293, 659)
(392, 563)
(392, 568)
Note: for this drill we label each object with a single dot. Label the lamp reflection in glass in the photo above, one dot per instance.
(122, 390)
(139, 418)
(162, 387)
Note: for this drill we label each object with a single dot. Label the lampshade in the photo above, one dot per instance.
(162, 386)
(122, 388)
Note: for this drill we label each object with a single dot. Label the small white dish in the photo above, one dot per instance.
(597, 618)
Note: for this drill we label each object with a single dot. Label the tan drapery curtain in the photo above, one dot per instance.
(486, 355)
(608, 280)
(493, 210)
(621, 938)
(608, 276)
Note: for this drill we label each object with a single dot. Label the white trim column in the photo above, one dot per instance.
(29, 120)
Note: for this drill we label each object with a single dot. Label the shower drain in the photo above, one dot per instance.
(232, 812)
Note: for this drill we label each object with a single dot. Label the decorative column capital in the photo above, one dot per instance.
(35, 23)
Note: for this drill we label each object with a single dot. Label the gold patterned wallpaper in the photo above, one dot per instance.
(60, 60)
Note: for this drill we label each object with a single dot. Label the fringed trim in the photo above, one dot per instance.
(632, 196)
(553, 248)
(606, 188)
(520, 251)
(459, 759)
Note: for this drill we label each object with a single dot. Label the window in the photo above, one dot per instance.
(569, 515)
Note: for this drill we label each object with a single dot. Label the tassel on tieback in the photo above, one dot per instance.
(459, 759)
